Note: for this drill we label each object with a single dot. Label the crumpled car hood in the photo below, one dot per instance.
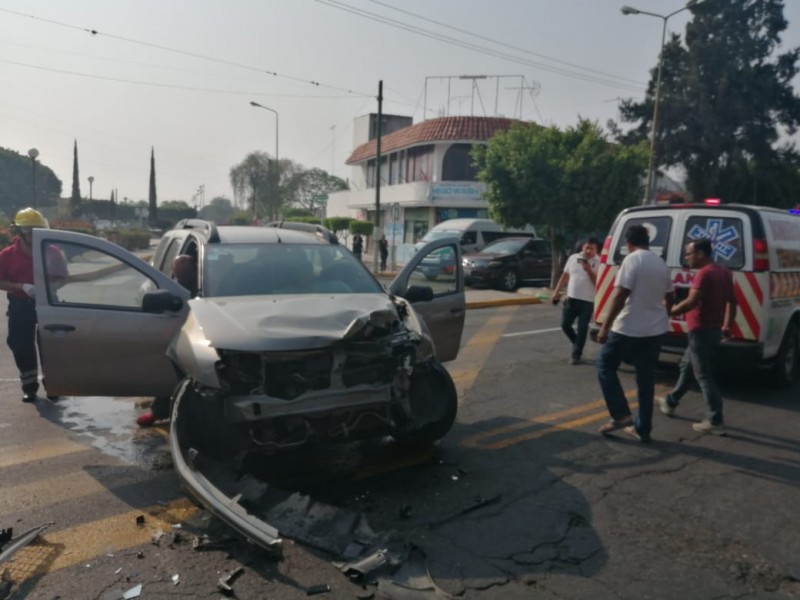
(285, 323)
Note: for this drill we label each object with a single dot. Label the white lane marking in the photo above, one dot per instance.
(534, 332)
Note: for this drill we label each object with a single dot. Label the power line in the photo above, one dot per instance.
(499, 43)
(474, 47)
(223, 61)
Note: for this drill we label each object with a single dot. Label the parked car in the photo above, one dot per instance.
(289, 341)
(508, 262)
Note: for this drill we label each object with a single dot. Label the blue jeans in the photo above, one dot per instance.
(699, 360)
(643, 353)
(581, 310)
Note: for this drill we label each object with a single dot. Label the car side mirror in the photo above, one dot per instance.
(158, 301)
(418, 293)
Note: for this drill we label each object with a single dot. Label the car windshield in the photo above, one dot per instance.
(271, 269)
(504, 247)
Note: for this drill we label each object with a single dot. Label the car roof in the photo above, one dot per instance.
(247, 234)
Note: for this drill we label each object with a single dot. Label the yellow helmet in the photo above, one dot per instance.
(30, 217)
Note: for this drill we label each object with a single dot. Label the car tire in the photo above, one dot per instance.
(430, 276)
(509, 280)
(784, 370)
(434, 402)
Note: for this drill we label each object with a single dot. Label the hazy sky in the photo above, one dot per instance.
(178, 76)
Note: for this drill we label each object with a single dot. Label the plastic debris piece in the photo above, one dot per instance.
(140, 554)
(140, 520)
(134, 592)
(156, 539)
(322, 588)
(176, 579)
(177, 526)
(118, 571)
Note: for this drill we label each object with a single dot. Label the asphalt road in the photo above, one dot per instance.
(522, 499)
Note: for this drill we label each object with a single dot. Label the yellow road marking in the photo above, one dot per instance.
(38, 494)
(36, 451)
(473, 354)
(482, 440)
(67, 547)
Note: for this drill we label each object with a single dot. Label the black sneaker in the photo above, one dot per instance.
(575, 361)
(29, 397)
(54, 398)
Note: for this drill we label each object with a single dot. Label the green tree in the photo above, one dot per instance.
(75, 199)
(261, 182)
(308, 187)
(566, 180)
(218, 210)
(152, 203)
(727, 102)
(16, 182)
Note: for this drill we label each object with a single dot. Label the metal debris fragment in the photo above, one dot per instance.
(480, 503)
(225, 585)
(205, 543)
(176, 579)
(322, 588)
(156, 539)
(16, 544)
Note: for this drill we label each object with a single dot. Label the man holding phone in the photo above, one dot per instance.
(579, 276)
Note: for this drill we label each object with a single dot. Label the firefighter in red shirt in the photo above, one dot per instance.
(16, 278)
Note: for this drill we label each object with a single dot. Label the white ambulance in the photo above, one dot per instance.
(761, 247)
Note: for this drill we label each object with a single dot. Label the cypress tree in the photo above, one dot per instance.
(152, 198)
(75, 199)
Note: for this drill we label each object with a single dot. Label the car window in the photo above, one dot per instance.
(469, 237)
(437, 270)
(725, 234)
(273, 269)
(657, 227)
(503, 247)
(84, 276)
(166, 258)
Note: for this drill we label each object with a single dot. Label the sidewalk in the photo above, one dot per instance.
(481, 298)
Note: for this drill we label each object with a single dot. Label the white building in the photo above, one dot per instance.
(426, 173)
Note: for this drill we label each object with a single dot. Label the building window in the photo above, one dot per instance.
(457, 164)
(394, 174)
(371, 173)
(418, 166)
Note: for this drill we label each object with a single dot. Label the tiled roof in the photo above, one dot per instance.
(464, 129)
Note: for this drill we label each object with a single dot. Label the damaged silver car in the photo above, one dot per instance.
(289, 341)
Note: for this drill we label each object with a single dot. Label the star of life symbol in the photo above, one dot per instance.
(721, 238)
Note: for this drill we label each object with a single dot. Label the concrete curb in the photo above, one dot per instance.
(502, 302)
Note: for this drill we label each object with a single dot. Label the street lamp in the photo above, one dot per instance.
(629, 10)
(277, 181)
(91, 181)
(33, 153)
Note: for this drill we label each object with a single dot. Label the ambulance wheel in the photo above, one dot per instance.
(785, 369)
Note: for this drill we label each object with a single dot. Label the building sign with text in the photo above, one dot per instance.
(467, 190)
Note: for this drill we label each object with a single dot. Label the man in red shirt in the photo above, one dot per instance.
(710, 309)
(16, 278)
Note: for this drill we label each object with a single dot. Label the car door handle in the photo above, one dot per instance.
(59, 327)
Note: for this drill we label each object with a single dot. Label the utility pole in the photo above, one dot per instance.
(379, 133)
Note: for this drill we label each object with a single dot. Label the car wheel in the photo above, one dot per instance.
(430, 276)
(433, 402)
(509, 281)
(784, 371)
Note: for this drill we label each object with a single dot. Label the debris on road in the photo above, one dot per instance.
(140, 520)
(156, 539)
(322, 588)
(176, 579)
(225, 585)
(134, 592)
(201, 543)
(16, 544)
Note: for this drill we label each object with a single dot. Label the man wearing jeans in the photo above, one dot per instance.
(636, 322)
(710, 309)
(580, 276)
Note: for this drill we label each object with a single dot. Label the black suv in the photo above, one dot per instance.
(508, 262)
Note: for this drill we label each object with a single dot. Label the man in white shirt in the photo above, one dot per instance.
(580, 276)
(637, 320)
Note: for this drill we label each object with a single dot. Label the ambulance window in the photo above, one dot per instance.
(657, 227)
(726, 238)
